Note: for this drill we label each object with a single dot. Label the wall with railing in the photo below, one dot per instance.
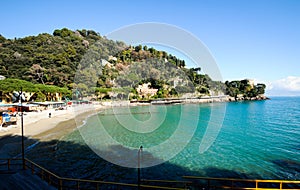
(189, 182)
(231, 183)
(63, 183)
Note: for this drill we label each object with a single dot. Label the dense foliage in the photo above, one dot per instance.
(244, 88)
(92, 65)
(49, 59)
(40, 91)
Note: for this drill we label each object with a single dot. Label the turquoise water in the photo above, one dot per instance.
(259, 138)
(256, 139)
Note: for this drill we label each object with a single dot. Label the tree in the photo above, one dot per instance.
(182, 64)
(232, 91)
(38, 96)
(145, 48)
(152, 50)
(138, 48)
(2, 39)
(251, 93)
(243, 87)
(203, 90)
(37, 72)
(102, 92)
(92, 32)
(260, 88)
(173, 92)
(62, 33)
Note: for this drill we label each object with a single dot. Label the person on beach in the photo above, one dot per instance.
(50, 115)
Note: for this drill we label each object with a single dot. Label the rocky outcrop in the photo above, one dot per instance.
(242, 98)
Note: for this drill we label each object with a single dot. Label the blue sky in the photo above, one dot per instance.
(257, 39)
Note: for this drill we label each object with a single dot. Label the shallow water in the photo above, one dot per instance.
(257, 139)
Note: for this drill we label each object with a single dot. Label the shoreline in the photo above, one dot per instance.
(38, 123)
(195, 100)
(39, 127)
(43, 129)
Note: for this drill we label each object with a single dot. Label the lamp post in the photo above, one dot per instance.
(23, 153)
(139, 167)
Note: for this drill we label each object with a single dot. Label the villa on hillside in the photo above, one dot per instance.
(106, 63)
(112, 58)
(177, 81)
(144, 90)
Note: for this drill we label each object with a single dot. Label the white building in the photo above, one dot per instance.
(144, 90)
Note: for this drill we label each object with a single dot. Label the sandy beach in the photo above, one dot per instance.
(38, 126)
(38, 122)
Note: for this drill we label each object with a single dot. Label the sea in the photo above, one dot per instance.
(245, 139)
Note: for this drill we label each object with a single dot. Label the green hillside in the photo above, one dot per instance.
(92, 64)
(49, 59)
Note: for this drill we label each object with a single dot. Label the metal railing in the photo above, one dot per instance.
(69, 183)
(168, 183)
(191, 182)
(231, 183)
